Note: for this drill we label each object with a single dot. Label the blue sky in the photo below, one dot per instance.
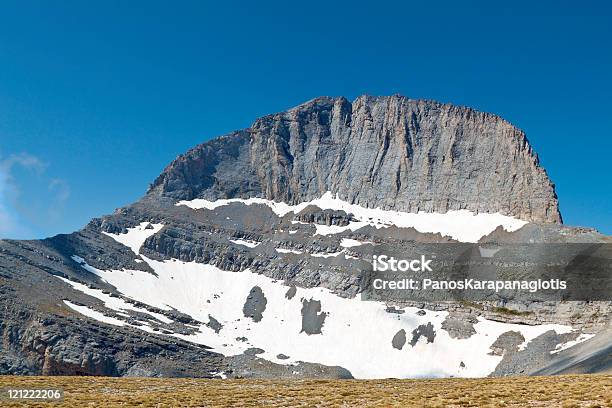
(96, 98)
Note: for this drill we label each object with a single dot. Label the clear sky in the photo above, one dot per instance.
(97, 97)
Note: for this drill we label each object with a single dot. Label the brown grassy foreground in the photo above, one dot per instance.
(562, 391)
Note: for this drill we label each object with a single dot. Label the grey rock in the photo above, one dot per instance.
(389, 152)
(399, 339)
(425, 330)
(255, 304)
(214, 324)
(536, 354)
(393, 309)
(592, 356)
(253, 351)
(291, 292)
(459, 326)
(507, 342)
(312, 316)
(243, 366)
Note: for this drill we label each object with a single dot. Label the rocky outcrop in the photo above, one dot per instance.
(389, 152)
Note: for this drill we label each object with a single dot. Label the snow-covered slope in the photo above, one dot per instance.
(292, 324)
(354, 334)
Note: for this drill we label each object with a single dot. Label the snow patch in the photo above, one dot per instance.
(136, 236)
(113, 303)
(461, 225)
(101, 317)
(220, 374)
(320, 255)
(564, 346)
(94, 314)
(350, 243)
(245, 242)
(287, 251)
(337, 229)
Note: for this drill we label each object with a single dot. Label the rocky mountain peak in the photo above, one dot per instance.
(390, 152)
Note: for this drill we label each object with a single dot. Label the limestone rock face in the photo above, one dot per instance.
(388, 152)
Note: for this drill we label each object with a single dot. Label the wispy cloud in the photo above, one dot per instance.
(61, 191)
(16, 211)
(9, 223)
(60, 188)
(24, 160)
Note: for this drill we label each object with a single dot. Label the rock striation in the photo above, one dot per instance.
(390, 152)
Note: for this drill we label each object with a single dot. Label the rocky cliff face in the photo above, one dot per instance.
(388, 152)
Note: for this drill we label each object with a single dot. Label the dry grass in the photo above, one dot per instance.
(563, 391)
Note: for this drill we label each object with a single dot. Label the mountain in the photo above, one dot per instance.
(388, 152)
(246, 257)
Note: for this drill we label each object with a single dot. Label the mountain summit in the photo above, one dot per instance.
(387, 152)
